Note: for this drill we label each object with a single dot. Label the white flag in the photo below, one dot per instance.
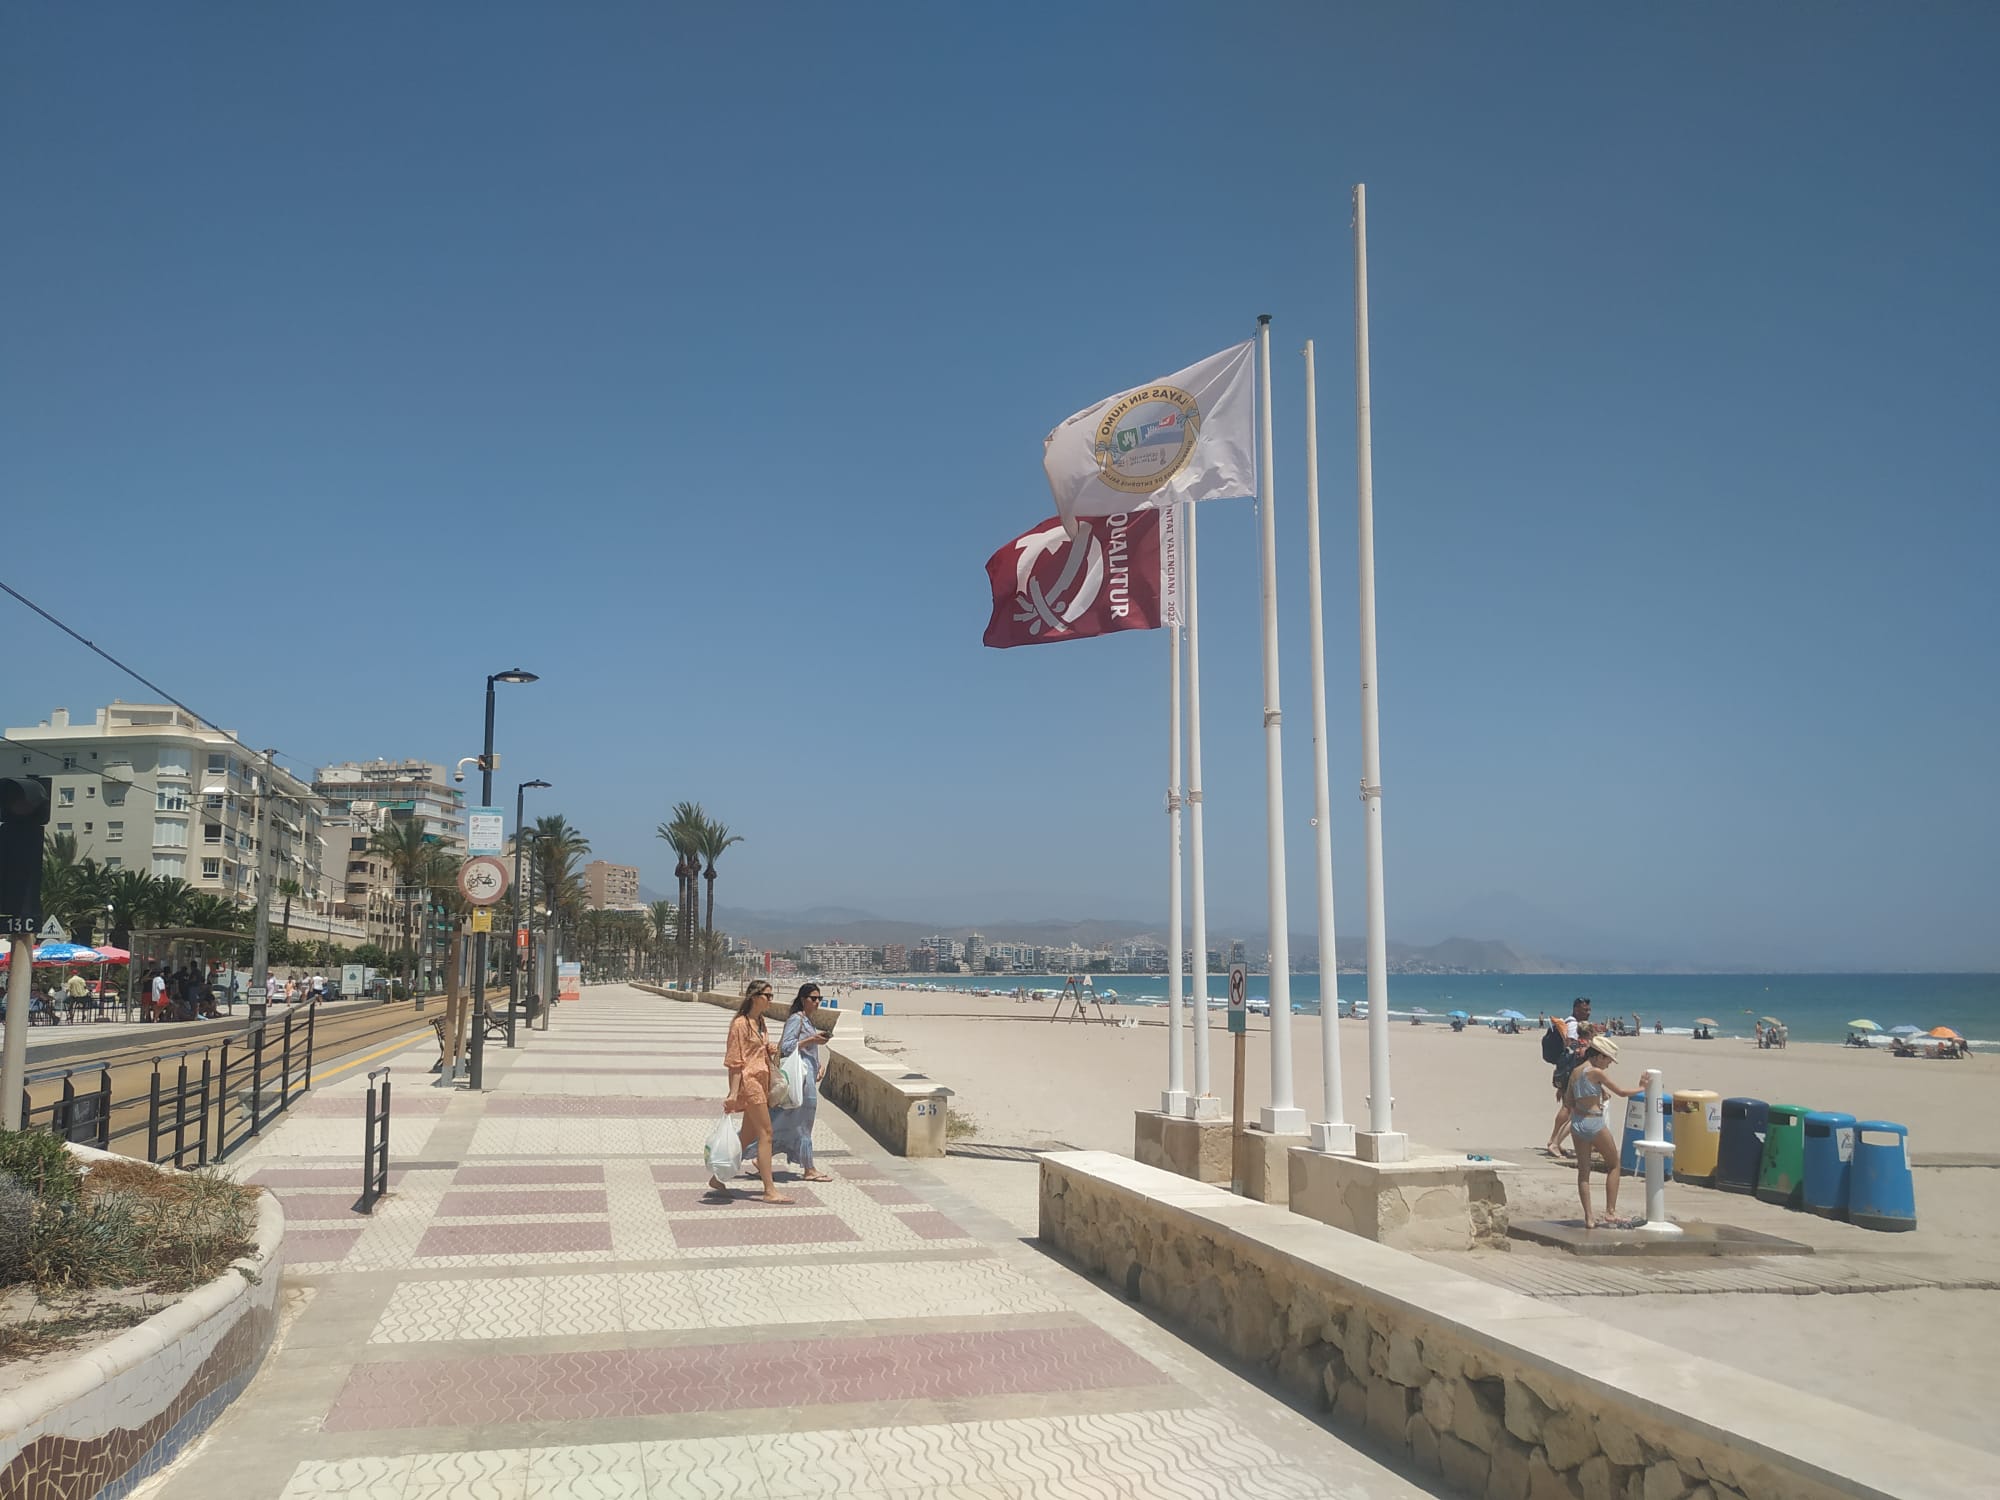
(1186, 437)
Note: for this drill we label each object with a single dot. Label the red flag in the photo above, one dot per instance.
(1050, 587)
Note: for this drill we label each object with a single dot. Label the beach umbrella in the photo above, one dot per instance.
(110, 955)
(1459, 1015)
(1418, 1010)
(47, 954)
(1904, 1031)
(1946, 1034)
(1509, 1015)
(1706, 1021)
(1864, 1026)
(1770, 1020)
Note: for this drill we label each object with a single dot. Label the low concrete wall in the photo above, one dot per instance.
(98, 1424)
(1499, 1395)
(903, 1109)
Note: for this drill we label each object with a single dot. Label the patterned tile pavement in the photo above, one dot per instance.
(548, 1305)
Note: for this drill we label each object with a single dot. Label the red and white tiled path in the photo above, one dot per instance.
(546, 1306)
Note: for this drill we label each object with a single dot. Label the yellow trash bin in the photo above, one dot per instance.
(1697, 1135)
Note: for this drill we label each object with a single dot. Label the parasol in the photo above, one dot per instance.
(1904, 1031)
(1863, 1026)
(1946, 1034)
(1706, 1021)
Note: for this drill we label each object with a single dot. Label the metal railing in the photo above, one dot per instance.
(198, 1106)
(375, 1147)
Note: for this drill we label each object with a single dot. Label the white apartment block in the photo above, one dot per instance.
(839, 960)
(147, 786)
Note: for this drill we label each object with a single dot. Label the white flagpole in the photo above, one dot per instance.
(1281, 1116)
(1380, 1142)
(1332, 1133)
(1173, 1100)
(1202, 1103)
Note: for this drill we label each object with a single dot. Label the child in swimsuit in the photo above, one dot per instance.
(1592, 1132)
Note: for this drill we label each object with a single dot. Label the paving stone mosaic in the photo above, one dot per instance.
(548, 1305)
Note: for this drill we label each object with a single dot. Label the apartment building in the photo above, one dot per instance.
(839, 960)
(362, 798)
(612, 887)
(147, 786)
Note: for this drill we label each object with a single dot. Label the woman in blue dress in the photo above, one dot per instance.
(792, 1128)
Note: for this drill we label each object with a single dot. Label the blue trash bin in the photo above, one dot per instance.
(1741, 1153)
(1829, 1163)
(1635, 1132)
(1880, 1192)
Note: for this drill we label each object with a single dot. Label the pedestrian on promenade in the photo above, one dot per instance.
(77, 993)
(274, 988)
(156, 993)
(748, 1058)
(792, 1129)
(1562, 1046)
(1588, 1085)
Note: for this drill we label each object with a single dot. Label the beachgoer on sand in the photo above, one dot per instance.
(1562, 1046)
(792, 1129)
(1588, 1085)
(748, 1058)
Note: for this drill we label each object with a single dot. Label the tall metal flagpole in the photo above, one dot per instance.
(1173, 1100)
(1202, 1103)
(1281, 1116)
(1331, 1133)
(1379, 1142)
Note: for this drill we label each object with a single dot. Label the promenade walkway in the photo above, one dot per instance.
(547, 1307)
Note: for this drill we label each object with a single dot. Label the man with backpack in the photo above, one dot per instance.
(1562, 1049)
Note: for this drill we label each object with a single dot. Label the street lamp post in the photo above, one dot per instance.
(514, 969)
(477, 1073)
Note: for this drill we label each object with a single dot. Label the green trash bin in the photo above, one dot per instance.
(1781, 1177)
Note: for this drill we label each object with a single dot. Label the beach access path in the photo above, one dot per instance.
(547, 1306)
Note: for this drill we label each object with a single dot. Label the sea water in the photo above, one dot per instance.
(1813, 1007)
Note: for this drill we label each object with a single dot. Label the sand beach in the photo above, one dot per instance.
(1024, 1081)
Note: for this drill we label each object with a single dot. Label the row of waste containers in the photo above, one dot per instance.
(1827, 1163)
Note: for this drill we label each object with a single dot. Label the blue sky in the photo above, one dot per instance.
(696, 358)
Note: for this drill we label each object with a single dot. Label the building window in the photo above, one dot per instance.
(69, 762)
(89, 792)
(213, 802)
(66, 795)
(218, 763)
(170, 866)
(114, 796)
(90, 828)
(211, 869)
(175, 762)
(114, 833)
(171, 799)
(114, 863)
(211, 833)
(170, 833)
(65, 828)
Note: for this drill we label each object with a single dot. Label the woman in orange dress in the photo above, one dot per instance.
(748, 1058)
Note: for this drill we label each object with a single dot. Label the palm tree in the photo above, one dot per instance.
(288, 889)
(129, 894)
(685, 833)
(558, 845)
(662, 915)
(407, 847)
(715, 838)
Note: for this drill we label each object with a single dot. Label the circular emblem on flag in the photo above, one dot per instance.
(1146, 437)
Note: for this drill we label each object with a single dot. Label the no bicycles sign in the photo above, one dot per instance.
(1239, 1004)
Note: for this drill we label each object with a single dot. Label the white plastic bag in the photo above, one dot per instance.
(777, 1092)
(724, 1151)
(794, 1070)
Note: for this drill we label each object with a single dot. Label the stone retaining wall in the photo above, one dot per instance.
(1499, 1395)
(97, 1424)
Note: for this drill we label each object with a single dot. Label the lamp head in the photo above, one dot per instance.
(544, 784)
(514, 674)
